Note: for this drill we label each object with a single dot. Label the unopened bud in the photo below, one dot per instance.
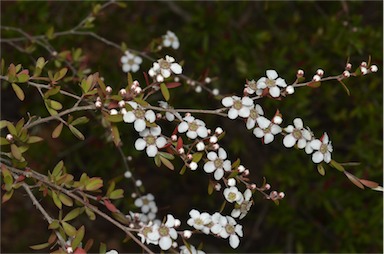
(281, 195)
(138, 183)
(213, 139)
(348, 66)
(219, 130)
(187, 234)
(300, 73)
(189, 157)
(123, 92)
(363, 70)
(241, 168)
(215, 146)
(133, 195)
(252, 186)
(173, 137)
(290, 89)
(193, 165)
(217, 186)
(215, 92)
(273, 194)
(137, 90)
(374, 68)
(316, 78)
(135, 84)
(108, 89)
(346, 74)
(177, 223)
(121, 104)
(231, 182)
(113, 112)
(320, 72)
(9, 137)
(198, 89)
(159, 115)
(209, 131)
(207, 80)
(363, 64)
(181, 151)
(246, 172)
(176, 79)
(127, 174)
(277, 119)
(174, 245)
(200, 146)
(98, 104)
(267, 186)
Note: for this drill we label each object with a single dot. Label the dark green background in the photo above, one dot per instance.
(235, 41)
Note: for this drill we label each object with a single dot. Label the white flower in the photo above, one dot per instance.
(239, 106)
(297, 134)
(148, 207)
(170, 116)
(191, 250)
(323, 147)
(170, 40)
(254, 113)
(272, 82)
(266, 130)
(151, 141)
(243, 208)
(163, 68)
(232, 194)
(226, 226)
(200, 146)
(218, 163)
(149, 233)
(112, 252)
(131, 62)
(193, 127)
(251, 87)
(138, 115)
(199, 220)
(167, 233)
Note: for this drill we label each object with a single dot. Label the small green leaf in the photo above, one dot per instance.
(11, 128)
(211, 187)
(7, 196)
(167, 155)
(116, 135)
(78, 237)
(141, 102)
(196, 157)
(72, 214)
(345, 87)
(18, 91)
(22, 78)
(164, 91)
(183, 169)
(76, 132)
(16, 152)
(103, 248)
(49, 32)
(54, 224)
(130, 81)
(60, 74)
(57, 131)
(53, 104)
(3, 141)
(91, 215)
(167, 163)
(321, 169)
(65, 199)
(116, 194)
(95, 183)
(157, 160)
(56, 200)
(337, 165)
(80, 120)
(68, 229)
(40, 246)
(52, 91)
(114, 118)
(34, 139)
(236, 164)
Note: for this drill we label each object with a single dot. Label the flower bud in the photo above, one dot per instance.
(346, 74)
(320, 72)
(253, 186)
(241, 168)
(213, 139)
(108, 89)
(9, 137)
(348, 66)
(363, 64)
(217, 186)
(135, 84)
(215, 92)
(290, 89)
(176, 79)
(187, 234)
(113, 112)
(300, 73)
(138, 183)
(246, 172)
(363, 70)
(138, 90)
(277, 119)
(219, 130)
(98, 104)
(193, 165)
(198, 89)
(215, 146)
(267, 186)
(127, 174)
(373, 68)
(181, 151)
(207, 80)
(281, 195)
(316, 78)
(121, 104)
(200, 146)
(174, 137)
(189, 157)
(123, 92)
(231, 182)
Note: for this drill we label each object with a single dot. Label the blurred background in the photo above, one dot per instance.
(232, 41)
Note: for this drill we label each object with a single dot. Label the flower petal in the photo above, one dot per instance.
(222, 153)
(209, 167)
(234, 241)
(176, 68)
(298, 123)
(315, 144)
(183, 127)
(244, 112)
(192, 134)
(139, 125)
(151, 151)
(271, 74)
(150, 116)
(268, 138)
(140, 144)
(274, 91)
(247, 101)
(227, 101)
(263, 122)
(219, 173)
(212, 156)
(317, 157)
(233, 113)
(258, 132)
(202, 132)
(161, 142)
(165, 243)
(129, 117)
(289, 141)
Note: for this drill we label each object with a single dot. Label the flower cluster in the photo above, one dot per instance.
(163, 68)
(130, 62)
(148, 207)
(217, 224)
(170, 40)
(151, 141)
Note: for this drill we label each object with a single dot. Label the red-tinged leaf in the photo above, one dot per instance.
(111, 207)
(368, 183)
(20, 178)
(179, 143)
(164, 91)
(78, 238)
(88, 245)
(57, 131)
(7, 196)
(173, 84)
(18, 91)
(40, 246)
(79, 251)
(68, 229)
(16, 153)
(314, 84)
(52, 238)
(94, 184)
(146, 78)
(354, 180)
(167, 163)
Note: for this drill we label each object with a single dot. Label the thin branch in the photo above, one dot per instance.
(198, 111)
